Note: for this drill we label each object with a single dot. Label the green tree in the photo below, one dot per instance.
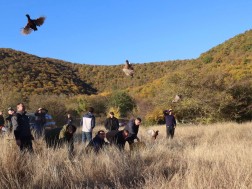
(123, 101)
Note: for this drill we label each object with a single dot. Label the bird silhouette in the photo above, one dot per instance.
(32, 24)
(128, 69)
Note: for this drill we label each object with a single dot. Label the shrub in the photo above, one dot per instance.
(123, 101)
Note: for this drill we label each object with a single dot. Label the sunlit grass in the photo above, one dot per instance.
(212, 156)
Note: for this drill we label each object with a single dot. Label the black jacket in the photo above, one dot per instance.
(170, 121)
(120, 140)
(96, 144)
(112, 124)
(21, 126)
(1, 120)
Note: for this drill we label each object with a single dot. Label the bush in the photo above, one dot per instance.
(239, 107)
(155, 117)
(123, 101)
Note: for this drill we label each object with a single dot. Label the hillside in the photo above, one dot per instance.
(107, 78)
(215, 87)
(34, 75)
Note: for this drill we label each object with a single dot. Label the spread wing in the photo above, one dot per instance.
(26, 30)
(128, 72)
(151, 132)
(131, 67)
(40, 21)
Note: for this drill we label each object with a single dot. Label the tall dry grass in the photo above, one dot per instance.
(212, 156)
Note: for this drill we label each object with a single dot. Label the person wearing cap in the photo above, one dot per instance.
(40, 121)
(112, 122)
(9, 125)
(170, 122)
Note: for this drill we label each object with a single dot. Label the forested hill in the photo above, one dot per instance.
(216, 86)
(227, 62)
(34, 75)
(235, 50)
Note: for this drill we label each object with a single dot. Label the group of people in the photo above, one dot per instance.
(113, 135)
(18, 124)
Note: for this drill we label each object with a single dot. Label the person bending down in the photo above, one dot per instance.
(57, 137)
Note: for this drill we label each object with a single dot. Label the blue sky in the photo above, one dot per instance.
(107, 32)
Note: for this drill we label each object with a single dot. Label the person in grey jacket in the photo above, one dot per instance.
(21, 127)
(133, 127)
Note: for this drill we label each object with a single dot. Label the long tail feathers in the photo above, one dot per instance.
(26, 30)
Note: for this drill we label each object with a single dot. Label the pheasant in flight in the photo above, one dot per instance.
(128, 69)
(32, 24)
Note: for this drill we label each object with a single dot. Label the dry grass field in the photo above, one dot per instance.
(212, 156)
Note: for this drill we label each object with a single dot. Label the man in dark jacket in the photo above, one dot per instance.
(170, 122)
(118, 138)
(56, 137)
(133, 127)
(21, 127)
(112, 122)
(97, 143)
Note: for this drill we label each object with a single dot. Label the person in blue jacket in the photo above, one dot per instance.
(170, 122)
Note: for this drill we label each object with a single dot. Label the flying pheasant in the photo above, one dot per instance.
(32, 24)
(153, 134)
(128, 69)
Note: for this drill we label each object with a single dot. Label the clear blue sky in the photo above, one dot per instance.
(107, 32)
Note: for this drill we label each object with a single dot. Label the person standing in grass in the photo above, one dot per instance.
(88, 124)
(170, 122)
(21, 127)
(112, 122)
(40, 121)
